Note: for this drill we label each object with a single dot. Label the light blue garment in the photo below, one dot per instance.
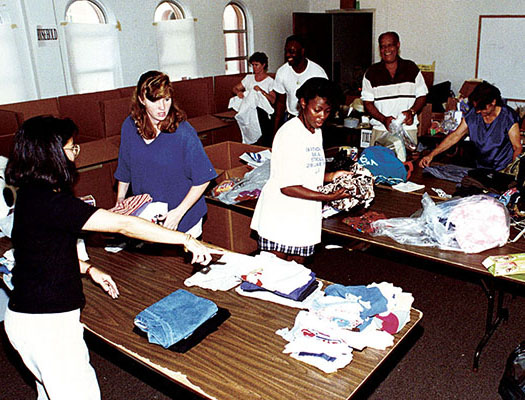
(4, 299)
(370, 298)
(175, 317)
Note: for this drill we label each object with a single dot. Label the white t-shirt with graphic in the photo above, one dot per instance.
(288, 81)
(297, 159)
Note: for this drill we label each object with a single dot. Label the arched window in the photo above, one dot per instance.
(85, 12)
(175, 33)
(235, 39)
(92, 49)
(167, 11)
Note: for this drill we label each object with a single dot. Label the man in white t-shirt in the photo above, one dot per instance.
(290, 76)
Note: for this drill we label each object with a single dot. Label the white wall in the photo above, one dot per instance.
(445, 31)
(271, 21)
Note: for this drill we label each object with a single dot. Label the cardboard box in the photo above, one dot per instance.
(225, 158)
(467, 87)
(224, 226)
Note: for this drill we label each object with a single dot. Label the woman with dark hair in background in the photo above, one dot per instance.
(161, 155)
(492, 126)
(260, 82)
(287, 216)
(43, 317)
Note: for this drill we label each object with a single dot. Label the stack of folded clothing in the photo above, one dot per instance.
(179, 321)
(347, 318)
(283, 278)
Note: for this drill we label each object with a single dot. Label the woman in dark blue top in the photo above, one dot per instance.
(161, 155)
(43, 316)
(492, 126)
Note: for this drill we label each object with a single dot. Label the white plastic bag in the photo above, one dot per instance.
(470, 224)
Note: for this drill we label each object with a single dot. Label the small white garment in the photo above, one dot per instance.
(256, 159)
(277, 275)
(408, 187)
(152, 211)
(316, 342)
(81, 250)
(225, 276)
(247, 114)
(328, 366)
(368, 337)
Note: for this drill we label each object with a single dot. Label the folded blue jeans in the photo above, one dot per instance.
(175, 317)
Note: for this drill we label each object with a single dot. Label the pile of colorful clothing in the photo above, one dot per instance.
(347, 318)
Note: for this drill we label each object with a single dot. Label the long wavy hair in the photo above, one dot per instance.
(38, 156)
(154, 85)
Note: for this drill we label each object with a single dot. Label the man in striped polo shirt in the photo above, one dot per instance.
(393, 87)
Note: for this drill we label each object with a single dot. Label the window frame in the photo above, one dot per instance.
(174, 5)
(98, 8)
(242, 59)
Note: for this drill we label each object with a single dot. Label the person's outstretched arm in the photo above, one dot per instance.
(447, 143)
(138, 228)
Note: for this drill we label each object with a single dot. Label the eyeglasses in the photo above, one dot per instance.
(75, 149)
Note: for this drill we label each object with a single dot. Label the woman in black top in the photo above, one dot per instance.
(43, 316)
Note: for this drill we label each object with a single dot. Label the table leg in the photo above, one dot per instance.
(493, 319)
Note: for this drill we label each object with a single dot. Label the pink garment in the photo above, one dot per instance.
(390, 323)
(480, 225)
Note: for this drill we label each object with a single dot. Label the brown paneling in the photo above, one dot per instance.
(114, 112)
(33, 108)
(126, 91)
(195, 96)
(6, 143)
(84, 110)
(97, 180)
(230, 133)
(10, 121)
(223, 85)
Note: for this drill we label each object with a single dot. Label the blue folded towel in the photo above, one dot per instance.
(175, 317)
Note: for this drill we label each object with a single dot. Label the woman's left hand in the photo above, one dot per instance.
(201, 253)
(341, 193)
(172, 219)
(105, 281)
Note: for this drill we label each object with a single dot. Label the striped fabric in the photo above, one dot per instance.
(131, 204)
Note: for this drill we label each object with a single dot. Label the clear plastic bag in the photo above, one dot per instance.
(249, 187)
(470, 224)
(397, 129)
(397, 138)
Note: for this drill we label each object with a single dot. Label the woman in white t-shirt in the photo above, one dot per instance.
(288, 217)
(261, 82)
